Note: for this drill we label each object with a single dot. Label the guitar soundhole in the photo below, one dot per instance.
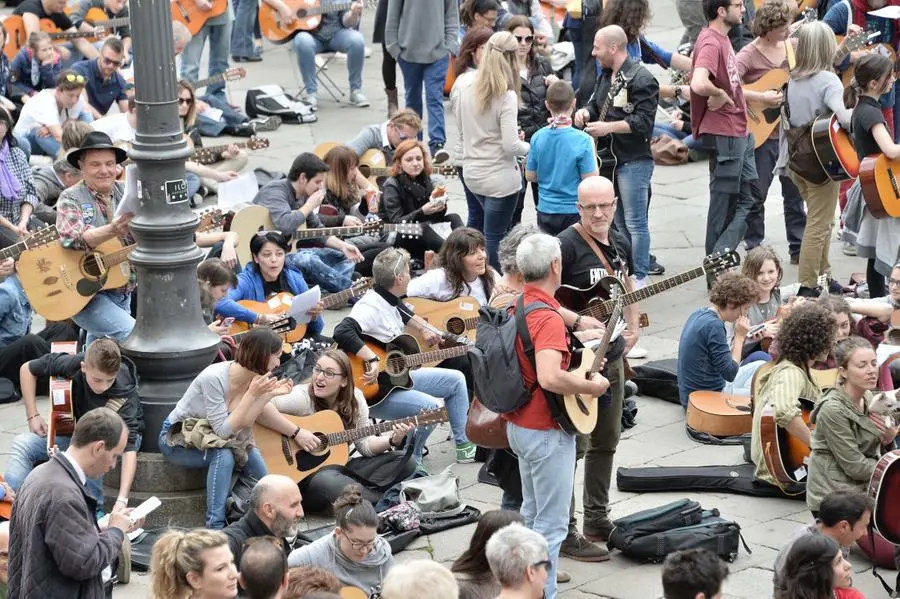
(301, 14)
(90, 267)
(581, 405)
(307, 461)
(456, 326)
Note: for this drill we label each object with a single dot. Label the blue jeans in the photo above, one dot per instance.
(547, 468)
(219, 464)
(328, 268)
(743, 380)
(666, 129)
(429, 384)
(242, 33)
(475, 220)
(107, 315)
(219, 40)
(631, 216)
(349, 41)
(193, 184)
(43, 146)
(498, 214)
(230, 117)
(25, 144)
(432, 76)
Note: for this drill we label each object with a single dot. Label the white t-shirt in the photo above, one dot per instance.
(42, 110)
(434, 285)
(116, 126)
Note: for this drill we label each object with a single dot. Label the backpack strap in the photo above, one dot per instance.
(522, 329)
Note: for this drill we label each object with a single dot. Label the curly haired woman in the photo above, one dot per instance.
(805, 337)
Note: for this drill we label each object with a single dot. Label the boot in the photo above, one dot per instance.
(245, 129)
(393, 106)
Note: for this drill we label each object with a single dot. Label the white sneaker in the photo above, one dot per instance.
(637, 353)
(358, 99)
(849, 248)
(640, 283)
(313, 101)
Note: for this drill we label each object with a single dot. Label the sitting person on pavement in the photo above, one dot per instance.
(42, 118)
(273, 511)
(386, 136)
(693, 574)
(312, 581)
(263, 569)
(122, 126)
(17, 344)
(35, 67)
(50, 180)
(193, 563)
(104, 85)
(471, 569)
(18, 201)
(815, 566)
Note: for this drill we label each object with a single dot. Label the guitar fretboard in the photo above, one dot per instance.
(216, 150)
(112, 23)
(603, 346)
(433, 356)
(603, 309)
(350, 231)
(15, 250)
(352, 435)
(118, 256)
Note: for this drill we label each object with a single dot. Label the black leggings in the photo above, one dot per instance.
(388, 69)
(875, 280)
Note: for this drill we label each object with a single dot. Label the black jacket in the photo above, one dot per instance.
(398, 206)
(248, 527)
(533, 113)
(639, 111)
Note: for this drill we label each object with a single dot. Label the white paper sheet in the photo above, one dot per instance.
(620, 327)
(888, 12)
(212, 113)
(237, 191)
(129, 201)
(303, 303)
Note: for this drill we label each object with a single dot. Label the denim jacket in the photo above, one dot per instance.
(15, 311)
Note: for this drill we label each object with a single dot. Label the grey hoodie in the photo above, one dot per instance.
(422, 31)
(365, 575)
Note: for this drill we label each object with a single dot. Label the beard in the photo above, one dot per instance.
(284, 527)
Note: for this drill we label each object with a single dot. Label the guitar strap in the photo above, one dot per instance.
(791, 57)
(595, 248)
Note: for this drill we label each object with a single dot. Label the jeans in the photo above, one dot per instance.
(42, 146)
(328, 268)
(432, 76)
(498, 214)
(107, 315)
(429, 384)
(574, 30)
(732, 169)
(634, 187)
(242, 33)
(24, 142)
(193, 184)
(230, 117)
(547, 468)
(475, 219)
(794, 216)
(743, 380)
(219, 40)
(220, 468)
(691, 14)
(666, 129)
(349, 41)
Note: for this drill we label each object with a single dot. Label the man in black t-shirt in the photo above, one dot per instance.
(582, 268)
(32, 11)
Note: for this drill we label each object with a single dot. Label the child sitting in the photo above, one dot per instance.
(560, 157)
(35, 67)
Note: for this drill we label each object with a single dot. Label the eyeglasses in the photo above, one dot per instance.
(546, 564)
(328, 374)
(187, 101)
(111, 62)
(893, 283)
(527, 38)
(598, 207)
(75, 78)
(361, 545)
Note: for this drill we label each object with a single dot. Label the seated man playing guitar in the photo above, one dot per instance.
(386, 136)
(381, 316)
(100, 376)
(805, 337)
(33, 11)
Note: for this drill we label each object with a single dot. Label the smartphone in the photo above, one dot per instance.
(756, 330)
(145, 508)
(228, 322)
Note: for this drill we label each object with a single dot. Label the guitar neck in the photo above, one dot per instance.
(355, 434)
(339, 298)
(113, 23)
(215, 150)
(437, 355)
(347, 231)
(14, 251)
(118, 256)
(70, 35)
(603, 346)
(603, 309)
(209, 81)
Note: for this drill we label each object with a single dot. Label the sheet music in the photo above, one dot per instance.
(129, 202)
(241, 190)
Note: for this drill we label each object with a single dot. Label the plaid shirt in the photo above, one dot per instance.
(11, 208)
(80, 209)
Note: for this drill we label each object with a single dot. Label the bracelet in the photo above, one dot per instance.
(577, 323)
(295, 433)
(122, 500)
(32, 417)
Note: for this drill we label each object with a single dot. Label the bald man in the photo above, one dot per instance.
(582, 267)
(628, 96)
(274, 511)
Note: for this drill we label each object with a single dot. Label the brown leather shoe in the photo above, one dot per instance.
(577, 547)
(599, 532)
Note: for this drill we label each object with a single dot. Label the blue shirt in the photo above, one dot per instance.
(704, 356)
(635, 53)
(560, 157)
(15, 311)
(101, 94)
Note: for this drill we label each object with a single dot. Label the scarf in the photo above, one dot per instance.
(9, 184)
(419, 188)
(559, 121)
(860, 8)
(35, 71)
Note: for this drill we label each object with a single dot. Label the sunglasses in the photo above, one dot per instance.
(75, 78)
(185, 101)
(527, 39)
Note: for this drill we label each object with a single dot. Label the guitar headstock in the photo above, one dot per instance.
(42, 237)
(859, 40)
(432, 416)
(204, 156)
(210, 219)
(234, 73)
(822, 283)
(361, 286)
(285, 325)
(618, 84)
(408, 229)
(257, 143)
(447, 170)
(721, 261)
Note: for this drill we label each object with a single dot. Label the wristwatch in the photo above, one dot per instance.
(678, 91)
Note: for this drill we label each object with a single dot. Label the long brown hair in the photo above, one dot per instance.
(523, 21)
(630, 15)
(345, 401)
(753, 262)
(459, 244)
(473, 561)
(871, 67)
(191, 115)
(341, 160)
(471, 41)
(405, 146)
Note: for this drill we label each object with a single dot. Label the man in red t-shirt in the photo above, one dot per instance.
(546, 453)
(719, 120)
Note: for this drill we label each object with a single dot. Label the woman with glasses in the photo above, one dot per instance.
(477, 13)
(520, 561)
(492, 144)
(331, 388)
(353, 551)
(536, 76)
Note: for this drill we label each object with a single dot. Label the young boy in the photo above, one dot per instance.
(693, 574)
(560, 157)
(100, 377)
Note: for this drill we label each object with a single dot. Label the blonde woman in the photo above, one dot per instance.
(813, 89)
(492, 144)
(196, 564)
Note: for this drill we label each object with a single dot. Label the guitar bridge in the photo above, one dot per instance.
(286, 450)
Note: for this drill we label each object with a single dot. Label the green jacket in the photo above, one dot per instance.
(846, 445)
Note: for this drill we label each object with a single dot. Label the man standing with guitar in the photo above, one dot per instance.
(719, 118)
(627, 95)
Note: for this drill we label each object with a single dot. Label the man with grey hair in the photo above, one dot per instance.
(49, 181)
(519, 560)
(382, 316)
(546, 453)
(274, 511)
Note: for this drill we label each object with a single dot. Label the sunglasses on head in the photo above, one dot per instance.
(75, 78)
(526, 38)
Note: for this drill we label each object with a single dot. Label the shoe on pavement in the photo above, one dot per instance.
(656, 268)
(795, 259)
(599, 532)
(562, 577)
(637, 353)
(313, 101)
(849, 248)
(576, 547)
(358, 99)
(465, 452)
(265, 123)
(440, 155)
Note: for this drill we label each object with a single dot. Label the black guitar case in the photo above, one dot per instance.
(658, 378)
(738, 480)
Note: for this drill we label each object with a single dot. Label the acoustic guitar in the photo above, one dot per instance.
(211, 154)
(884, 487)
(606, 158)
(459, 316)
(374, 167)
(280, 303)
(59, 283)
(98, 18)
(283, 456)
(719, 414)
(353, 593)
(192, 16)
(884, 49)
(307, 16)
(595, 301)
(581, 410)
(786, 456)
(17, 38)
(878, 176)
(834, 149)
(39, 238)
(229, 74)
(395, 360)
(253, 218)
(62, 416)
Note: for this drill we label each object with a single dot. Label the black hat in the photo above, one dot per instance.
(96, 140)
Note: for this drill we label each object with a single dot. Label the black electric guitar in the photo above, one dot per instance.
(606, 158)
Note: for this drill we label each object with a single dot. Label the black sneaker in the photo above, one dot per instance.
(655, 267)
(578, 548)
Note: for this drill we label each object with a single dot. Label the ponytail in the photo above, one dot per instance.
(871, 67)
(352, 510)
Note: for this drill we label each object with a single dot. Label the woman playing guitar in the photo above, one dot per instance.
(847, 440)
(331, 388)
(464, 270)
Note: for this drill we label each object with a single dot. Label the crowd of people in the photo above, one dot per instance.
(583, 138)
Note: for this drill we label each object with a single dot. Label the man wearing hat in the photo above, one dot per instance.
(85, 218)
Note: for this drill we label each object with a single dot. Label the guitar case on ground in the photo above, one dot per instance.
(658, 378)
(738, 480)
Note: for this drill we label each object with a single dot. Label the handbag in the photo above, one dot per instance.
(485, 428)
(436, 496)
(802, 157)
(668, 151)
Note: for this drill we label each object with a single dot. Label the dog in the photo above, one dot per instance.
(886, 405)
